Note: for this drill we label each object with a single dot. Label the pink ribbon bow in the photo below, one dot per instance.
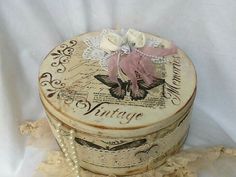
(137, 65)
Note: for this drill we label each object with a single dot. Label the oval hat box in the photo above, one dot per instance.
(103, 126)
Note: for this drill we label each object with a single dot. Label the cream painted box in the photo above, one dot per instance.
(105, 127)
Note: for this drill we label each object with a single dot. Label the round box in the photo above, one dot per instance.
(107, 134)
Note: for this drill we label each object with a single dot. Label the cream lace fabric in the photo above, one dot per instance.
(39, 134)
(207, 162)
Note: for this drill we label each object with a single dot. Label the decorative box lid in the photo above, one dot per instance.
(77, 83)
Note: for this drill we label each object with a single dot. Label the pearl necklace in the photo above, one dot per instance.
(155, 59)
(73, 163)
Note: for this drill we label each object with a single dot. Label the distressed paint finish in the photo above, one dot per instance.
(113, 135)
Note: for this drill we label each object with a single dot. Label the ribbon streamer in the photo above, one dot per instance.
(132, 58)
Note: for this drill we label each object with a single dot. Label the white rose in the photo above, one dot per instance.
(136, 37)
(111, 42)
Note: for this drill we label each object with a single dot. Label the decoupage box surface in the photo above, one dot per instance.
(119, 125)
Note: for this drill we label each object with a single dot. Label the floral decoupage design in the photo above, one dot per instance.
(128, 57)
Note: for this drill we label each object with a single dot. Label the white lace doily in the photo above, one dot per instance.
(94, 52)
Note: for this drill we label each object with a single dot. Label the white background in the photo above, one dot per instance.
(29, 29)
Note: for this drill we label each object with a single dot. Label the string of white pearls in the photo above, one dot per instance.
(73, 163)
(73, 151)
(155, 58)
